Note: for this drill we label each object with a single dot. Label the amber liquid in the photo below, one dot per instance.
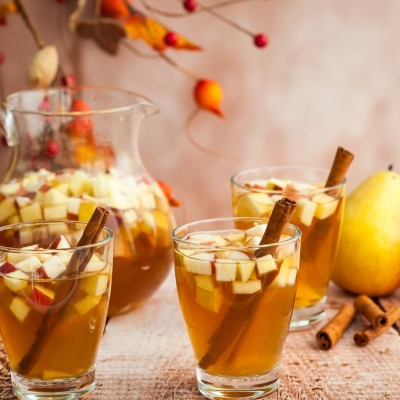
(70, 350)
(258, 346)
(318, 248)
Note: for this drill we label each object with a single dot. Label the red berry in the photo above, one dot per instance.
(260, 40)
(171, 38)
(51, 149)
(190, 5)
(2, 57)
(68, 80)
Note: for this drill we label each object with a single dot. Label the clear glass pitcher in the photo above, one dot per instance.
(75, 149)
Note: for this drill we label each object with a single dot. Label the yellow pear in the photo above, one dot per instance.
(368, 258)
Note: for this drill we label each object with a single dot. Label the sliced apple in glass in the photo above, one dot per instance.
(40, 298)
(255, 204)
(52, 268)
(205, 282)
(211, 301)
(291, 277)
(234, 236)
(7, 267)
(19, 308)
(245, 269)
(95, 285)
(28, 264)
(248, 287)
(305, 211)
(225, 270)
(326, 205)
(7, 209)
(31, 213)
(256, 230)
(16, 280)
(86, 304)
(281, 278)
(200, 264)
(55, 212)
(266, 264)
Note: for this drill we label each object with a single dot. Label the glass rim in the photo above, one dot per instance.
(283, 167)
(23, 225)
(290, 240)
(143, 101)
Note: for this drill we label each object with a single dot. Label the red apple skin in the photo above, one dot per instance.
(42, 273)
(45, 188)
(55, 243)
(7, 267)
(39, 300)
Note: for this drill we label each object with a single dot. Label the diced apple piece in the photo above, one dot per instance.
(245, 269)
(237, 255)
(16, 280)
(28, 264)
(40, 298)
(201, 237)
(79, 183)
(147, 224)
(54, 197)
(291, 277)
(64, 256)
(19, 308)
(22, 201)
(55, 212)
(60, 242)
(7, 209)
(225, 270)
(306, 210)
(86, 210)
(95, 266)
(52, 268)
(254, 204)
(9, 189)
(326, 205)
(256, 230)
(73, 205)
(96, 285)
(86, 304)
(281, 278)
(211, 301)
(220, 241)
(118, 201)
(235, 236)
(31, 213)
(147, 200)
(276, 184)
(200, 264)
(205, 282)
(266, 264)
(253, 241)
(7, 267)
(17, 257)
(130, 216)
(15, 219)
(248, 287)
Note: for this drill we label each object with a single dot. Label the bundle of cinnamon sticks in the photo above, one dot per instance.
(379, 320)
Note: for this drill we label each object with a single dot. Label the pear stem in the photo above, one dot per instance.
(390, 167)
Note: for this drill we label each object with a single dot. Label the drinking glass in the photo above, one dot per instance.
(236, 304)
(54, 298)
(318, 214)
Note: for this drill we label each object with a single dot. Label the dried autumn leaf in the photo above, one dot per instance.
(43, 67)
(7, 9)
(138, 26)
(208, 96)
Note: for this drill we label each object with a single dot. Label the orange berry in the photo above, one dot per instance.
(208, 95)
(80, 105)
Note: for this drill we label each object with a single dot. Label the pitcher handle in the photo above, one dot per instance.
(14, 148)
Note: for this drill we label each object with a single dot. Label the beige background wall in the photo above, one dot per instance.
(330, 76)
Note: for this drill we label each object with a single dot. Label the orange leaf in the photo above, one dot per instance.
(138, 26)
(168, 194)
(7, 9)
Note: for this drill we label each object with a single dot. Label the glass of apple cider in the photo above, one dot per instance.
(236, 306)
(54, 298)
(319, 215)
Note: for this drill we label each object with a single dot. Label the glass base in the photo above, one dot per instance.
(78, 387)
(306, 317)
(230, 387)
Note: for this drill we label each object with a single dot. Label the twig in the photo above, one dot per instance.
(201, 147)
(29, 23)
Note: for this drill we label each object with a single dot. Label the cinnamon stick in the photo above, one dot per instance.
(371, 311)
(65, 291)
(341, 163)
(329, 335)
(362, 338)
(237, 317)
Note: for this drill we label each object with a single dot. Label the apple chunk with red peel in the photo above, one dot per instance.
(28, 264)
(60, 242)
(40, 298)
(7, 267)
(248, 287)
(52, 268)
(16, 280)
(19, 308)
(201, 264)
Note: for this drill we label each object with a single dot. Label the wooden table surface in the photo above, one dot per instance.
(146, 355)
